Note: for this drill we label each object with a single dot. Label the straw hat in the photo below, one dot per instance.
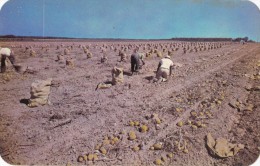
(167, 56)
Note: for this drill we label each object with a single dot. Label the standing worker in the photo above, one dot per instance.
(6, 52)
(164, 69)
(135, 61)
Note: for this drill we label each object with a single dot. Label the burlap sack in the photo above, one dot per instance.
(66, 51)
(104, 59)
(60, 57)
(32, 53)
(40, 90)
(103, 86)
(20, 68)
(70, 62)
(148, 55)
(89, 55)
(123, 56)
(159, 54)
(117, 76)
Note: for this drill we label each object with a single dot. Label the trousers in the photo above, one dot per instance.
(135, 64)
(162, 74)
(3, 65)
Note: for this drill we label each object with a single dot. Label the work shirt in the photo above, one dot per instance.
(5, 51)
(138, 56)
(166, 63)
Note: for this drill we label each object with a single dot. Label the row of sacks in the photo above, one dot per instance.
(40, 89)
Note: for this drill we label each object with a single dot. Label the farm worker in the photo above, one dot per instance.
(164, 69)
(135, 61)
(6, 52)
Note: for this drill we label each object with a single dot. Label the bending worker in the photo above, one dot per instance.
(164, 69)
(6, 52)
(135, 61)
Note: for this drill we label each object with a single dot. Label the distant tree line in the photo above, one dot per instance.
(203, 39)
(239, 39)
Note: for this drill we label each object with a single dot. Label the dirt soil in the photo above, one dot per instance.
(213, 91)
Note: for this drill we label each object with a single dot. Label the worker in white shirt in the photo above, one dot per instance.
(164, 69)
(6, 53)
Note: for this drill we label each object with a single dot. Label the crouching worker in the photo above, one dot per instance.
(6, 53)
(164, 69)
(135, 61)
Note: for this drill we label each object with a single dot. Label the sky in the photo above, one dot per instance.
(132, 19)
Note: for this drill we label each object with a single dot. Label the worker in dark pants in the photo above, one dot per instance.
(135, 61)
(6, 53)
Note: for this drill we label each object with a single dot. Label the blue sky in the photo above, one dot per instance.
(134, 19)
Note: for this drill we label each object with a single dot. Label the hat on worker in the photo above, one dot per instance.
(167, 56)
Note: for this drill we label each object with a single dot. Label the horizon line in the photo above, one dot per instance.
(64, 37)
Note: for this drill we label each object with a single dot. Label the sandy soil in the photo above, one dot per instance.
(79, 117)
